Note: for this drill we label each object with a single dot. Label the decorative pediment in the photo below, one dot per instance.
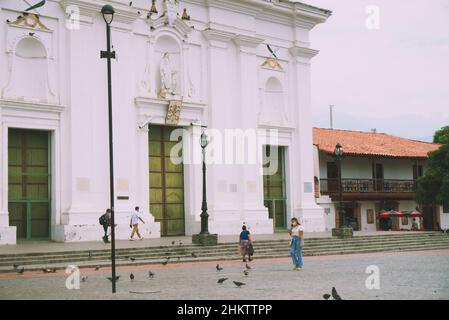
(178, 24)
(272, 64)
(29, 20)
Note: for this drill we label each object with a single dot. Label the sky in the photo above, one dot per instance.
(394, 78)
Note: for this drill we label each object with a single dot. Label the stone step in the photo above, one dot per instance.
(191, 248)
(149, 253)
(194, 248)
(426, 235)
(259, 252)
(277, 254)
(183, 252)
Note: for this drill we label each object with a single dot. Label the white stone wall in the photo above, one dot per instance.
(217, 54)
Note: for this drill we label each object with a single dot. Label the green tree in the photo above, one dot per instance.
(442, 136)
(433, 187)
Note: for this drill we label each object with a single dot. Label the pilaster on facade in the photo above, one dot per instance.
(248, 43)
(303, 54)
(218, 38)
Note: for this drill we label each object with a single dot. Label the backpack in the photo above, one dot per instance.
(102, 219)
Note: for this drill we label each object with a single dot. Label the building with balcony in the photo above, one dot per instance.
(379, 173)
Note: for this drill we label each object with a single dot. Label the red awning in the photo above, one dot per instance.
(392, 213)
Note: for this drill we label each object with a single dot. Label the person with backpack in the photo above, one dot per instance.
(245, 241)
(105, 221)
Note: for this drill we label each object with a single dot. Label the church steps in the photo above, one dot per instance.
(335, 246)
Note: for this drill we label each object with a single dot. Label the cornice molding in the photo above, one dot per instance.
(34, 106)
(143, 102)
(123, 13)
(218, 35)
(289, 13)
(248, 41)
(303, 52)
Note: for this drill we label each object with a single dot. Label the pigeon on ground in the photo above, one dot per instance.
(247, 267)
(116, 278)
(246, 273)
(49, 270)
(194, 255)
(131, 276)
(239, 284)
(7, 21)
(221, 280)
(173, 243)
(165, 262)
(84, 279)
(335, 295)
(131, 3)
(97, 268)
(15, 266)
(326, 296)
(21, 270)
(218, 267)
(31, 34)
(132, 259)
(180, 242)
(150, 275)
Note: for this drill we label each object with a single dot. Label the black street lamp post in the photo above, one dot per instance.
(204, 238)
(341, 209)
(204, 215)
(343, 231)
(108, 15)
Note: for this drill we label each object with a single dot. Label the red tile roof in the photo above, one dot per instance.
(371, 144)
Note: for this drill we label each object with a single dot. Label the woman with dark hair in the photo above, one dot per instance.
(296, 231)
(245, 241)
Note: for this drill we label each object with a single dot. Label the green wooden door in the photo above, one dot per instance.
(166, 182)
(274, 188)
(29, 183)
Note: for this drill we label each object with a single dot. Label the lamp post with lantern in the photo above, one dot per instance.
(108, 15)
(204, 238)
(343, 231)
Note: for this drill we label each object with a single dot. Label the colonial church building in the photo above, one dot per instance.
(235, 66)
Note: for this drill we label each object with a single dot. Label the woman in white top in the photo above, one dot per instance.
(297, 233)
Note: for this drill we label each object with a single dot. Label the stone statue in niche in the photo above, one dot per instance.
(168, 77)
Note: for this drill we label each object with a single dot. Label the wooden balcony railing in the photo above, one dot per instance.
(367, 186)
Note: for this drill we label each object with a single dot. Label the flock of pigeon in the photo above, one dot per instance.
(151, 275)
(237, 283)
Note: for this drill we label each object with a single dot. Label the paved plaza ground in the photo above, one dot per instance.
(406, 275)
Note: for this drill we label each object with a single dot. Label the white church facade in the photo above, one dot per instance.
(242, 68)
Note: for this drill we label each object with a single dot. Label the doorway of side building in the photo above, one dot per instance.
(29, 183)
(274, 185)
(166, 181)
(429, 218)
(353, 215)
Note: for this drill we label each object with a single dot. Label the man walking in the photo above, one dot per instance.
(134, 224)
